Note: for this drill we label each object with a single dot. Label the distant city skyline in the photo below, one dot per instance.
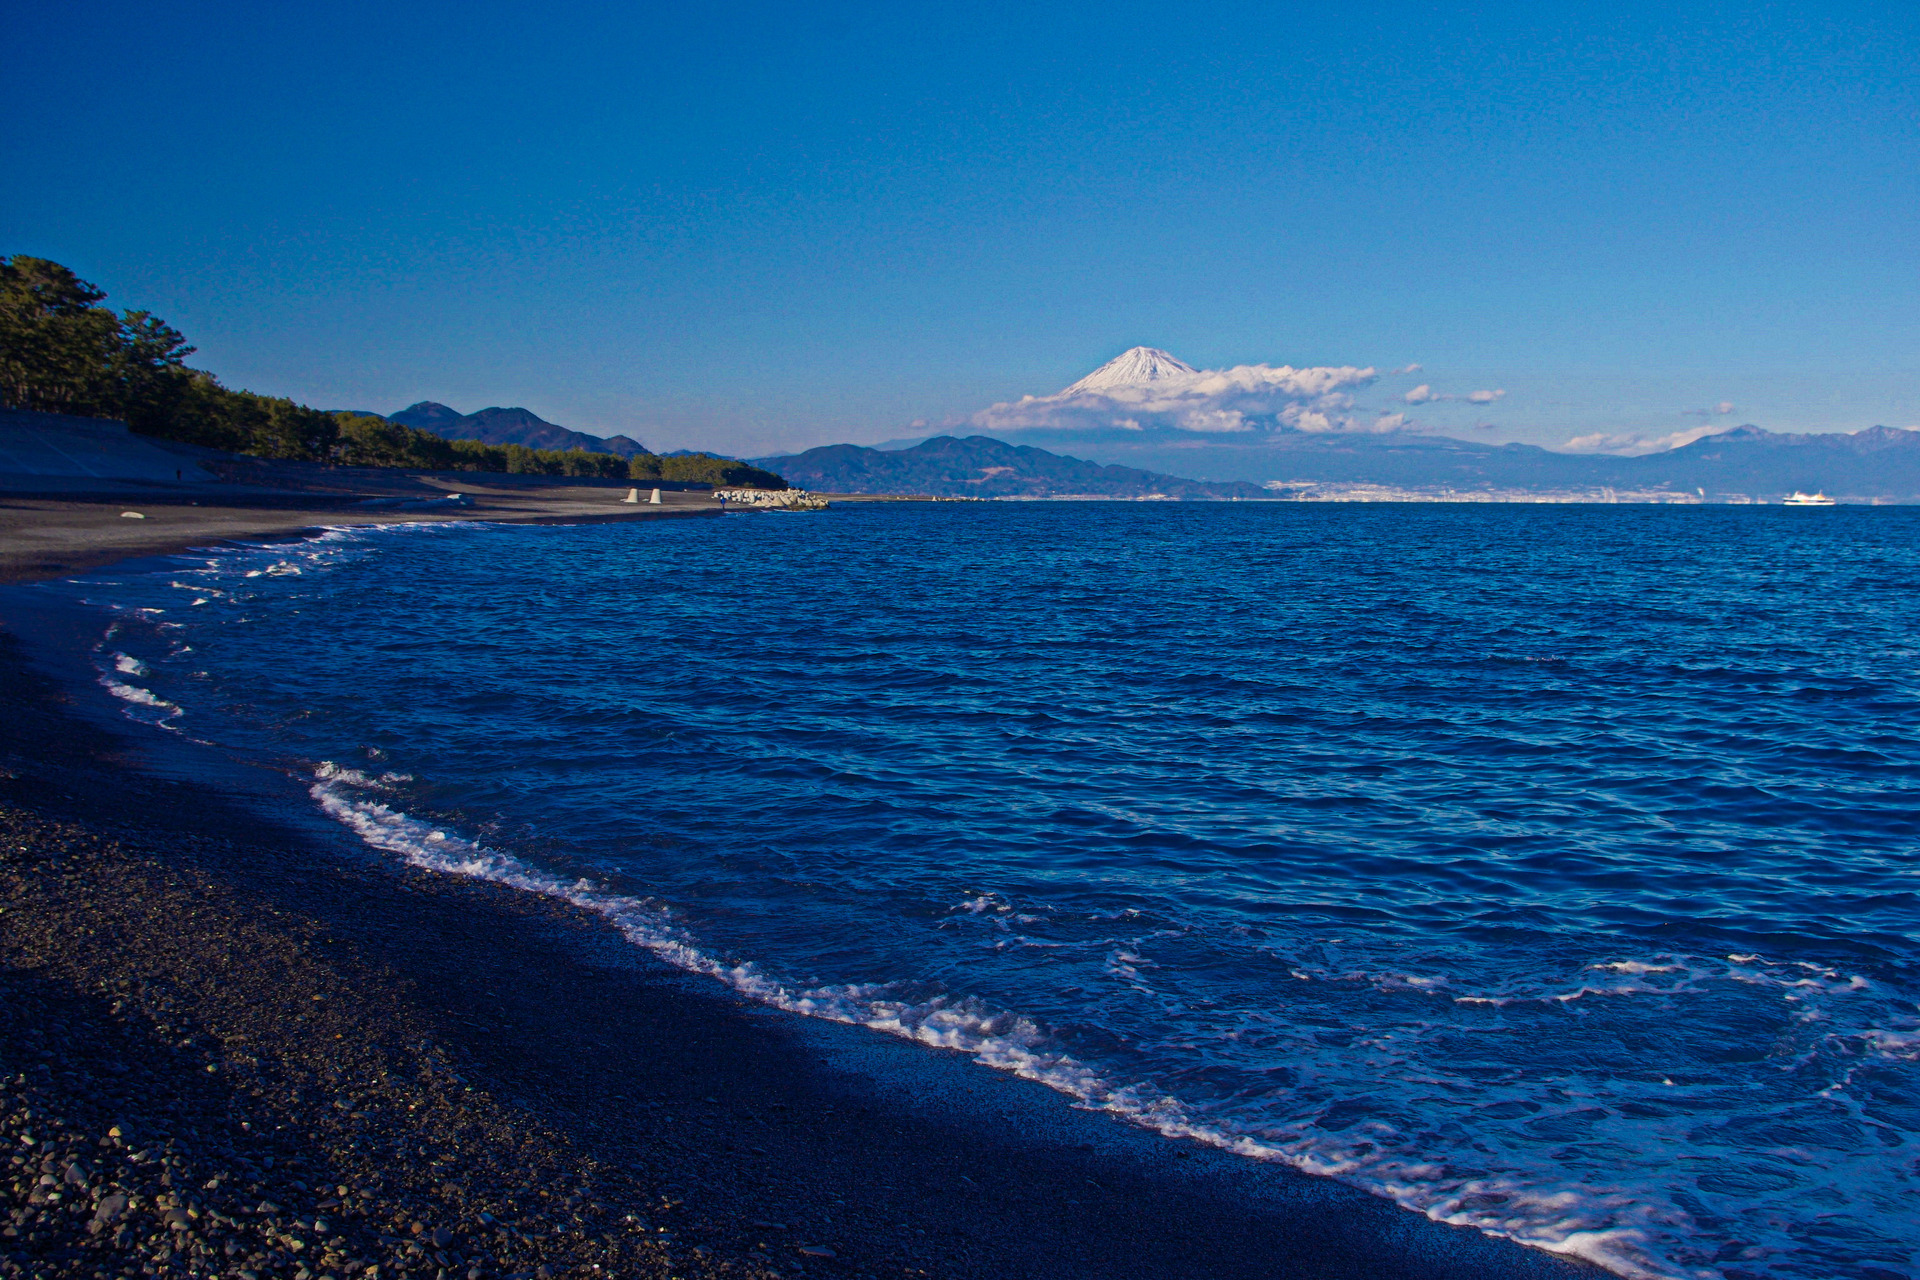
(759, 228)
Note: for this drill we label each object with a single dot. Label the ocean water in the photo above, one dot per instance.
(1547, 869)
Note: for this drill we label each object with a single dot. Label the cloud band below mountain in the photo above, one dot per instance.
(1638, 446)
(1246, 398)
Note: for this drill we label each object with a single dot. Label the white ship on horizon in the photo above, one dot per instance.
(1800, 499)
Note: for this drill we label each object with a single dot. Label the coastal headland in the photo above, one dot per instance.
(235, 1042)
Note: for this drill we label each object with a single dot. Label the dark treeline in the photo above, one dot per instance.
(62, 352)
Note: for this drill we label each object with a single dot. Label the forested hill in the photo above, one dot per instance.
(62, 352)
(508, 426)
(982, 467)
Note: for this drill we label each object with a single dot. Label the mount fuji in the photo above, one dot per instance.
(1140, 366)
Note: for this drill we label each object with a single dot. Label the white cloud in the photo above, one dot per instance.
(1629, 446)
(1719, 410)
(1245, 398)
(1213, 420)
(1425, 394)
(1146, 389)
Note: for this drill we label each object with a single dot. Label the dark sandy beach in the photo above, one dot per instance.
(48, 535)
(234, 1042)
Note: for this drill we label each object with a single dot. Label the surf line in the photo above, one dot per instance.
(1005, 1042)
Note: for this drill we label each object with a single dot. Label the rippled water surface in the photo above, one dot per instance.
(1547, 869)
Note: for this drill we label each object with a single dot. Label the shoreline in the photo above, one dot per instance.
(55, 535)
(502, 1054)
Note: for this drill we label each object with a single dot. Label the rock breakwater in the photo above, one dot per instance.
(773, 499)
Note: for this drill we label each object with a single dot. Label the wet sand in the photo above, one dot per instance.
(298, 1040)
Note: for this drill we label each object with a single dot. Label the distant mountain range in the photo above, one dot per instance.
(1880, 462)
(982, 467)
(1744, 464)
(1075, 446)
(507, 426)
(1302, 433)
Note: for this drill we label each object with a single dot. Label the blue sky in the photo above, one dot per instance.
(753, 227)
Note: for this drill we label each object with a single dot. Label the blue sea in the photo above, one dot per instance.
(1546, 869)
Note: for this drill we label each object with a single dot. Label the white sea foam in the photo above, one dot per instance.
(1609, 1228)
(1406, 982)
(331, 772)
(321, 550)
(142, 703)
(136, 695)
(1893, 1044)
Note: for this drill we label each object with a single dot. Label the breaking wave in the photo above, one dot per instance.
(1578, 1223)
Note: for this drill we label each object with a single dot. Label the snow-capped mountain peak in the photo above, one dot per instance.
(1133, 368)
